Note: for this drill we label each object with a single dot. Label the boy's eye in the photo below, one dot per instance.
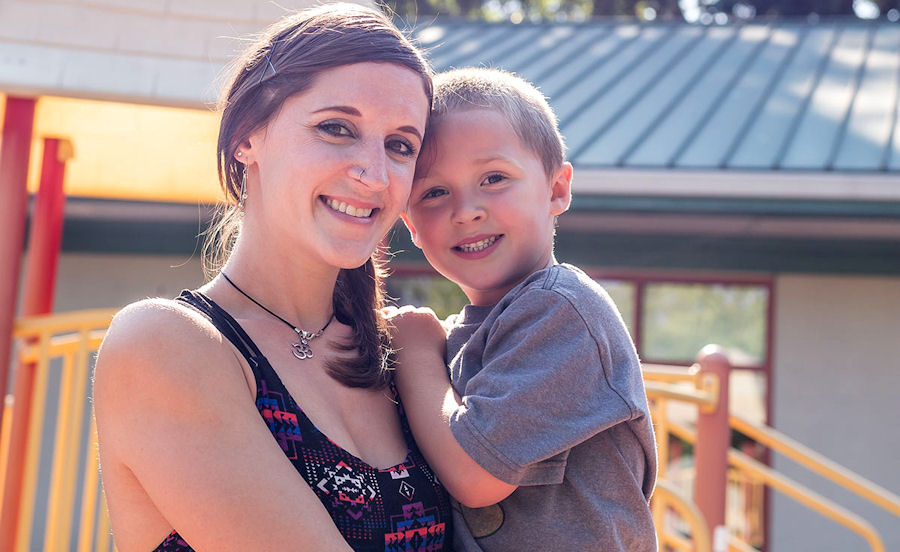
(402, 147)
(494, 179)
(434, 192)
(334, 128)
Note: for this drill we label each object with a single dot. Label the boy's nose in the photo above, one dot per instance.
(467, 210)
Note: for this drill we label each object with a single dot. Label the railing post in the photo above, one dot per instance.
(713, 441)
(45, 235)
(15, 150)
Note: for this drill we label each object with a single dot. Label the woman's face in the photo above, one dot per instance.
(331, 172)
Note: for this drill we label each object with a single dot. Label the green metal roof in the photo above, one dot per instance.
(774, 97)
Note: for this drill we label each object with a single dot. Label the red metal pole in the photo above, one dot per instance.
(713, 441)
(15, 149)
(45, 237)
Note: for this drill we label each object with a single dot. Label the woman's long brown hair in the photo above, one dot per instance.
(282, 63)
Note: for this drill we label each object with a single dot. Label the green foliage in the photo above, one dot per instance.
(579, 10)
(679, 319)
(443, 296)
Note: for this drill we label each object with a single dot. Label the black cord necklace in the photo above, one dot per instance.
(300, 350)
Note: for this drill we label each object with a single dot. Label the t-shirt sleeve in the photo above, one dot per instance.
(544, 387)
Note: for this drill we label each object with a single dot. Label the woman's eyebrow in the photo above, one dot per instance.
(349, 110)
(411, 130)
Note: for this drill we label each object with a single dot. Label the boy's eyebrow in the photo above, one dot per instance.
(496, 157)
(350, 110)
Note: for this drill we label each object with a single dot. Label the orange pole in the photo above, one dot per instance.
(45, 237)
(713, 442)
(15, 149)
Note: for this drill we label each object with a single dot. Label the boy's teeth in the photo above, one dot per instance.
(342, 207)
(479, 245)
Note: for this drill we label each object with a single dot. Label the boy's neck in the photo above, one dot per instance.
(490, 297)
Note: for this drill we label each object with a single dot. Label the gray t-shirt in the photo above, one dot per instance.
(554, 402)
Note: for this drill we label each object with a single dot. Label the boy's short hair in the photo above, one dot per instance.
(521, 102)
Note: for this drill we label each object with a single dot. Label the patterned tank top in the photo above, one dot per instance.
(399, 509)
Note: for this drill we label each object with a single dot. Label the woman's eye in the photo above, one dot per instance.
(436, 192)
(402, 147)
(334, 129)
(494, 179)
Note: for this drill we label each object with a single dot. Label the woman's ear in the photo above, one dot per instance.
(411, 228)
(561, 190)
(246, 151)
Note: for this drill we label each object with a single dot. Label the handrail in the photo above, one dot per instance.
(63, 345)
(811, 459)
(66, 341)
(661, 390)
(808, 497)
(794, 490)
(70, 321)
(737, 545)
(669, 374)
(689, 512)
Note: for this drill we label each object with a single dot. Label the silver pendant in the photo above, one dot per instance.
(302, 350)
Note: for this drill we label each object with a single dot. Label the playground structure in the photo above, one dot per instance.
(828, 228)
(52, 497)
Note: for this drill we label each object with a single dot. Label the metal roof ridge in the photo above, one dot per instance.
(684, 51)
(614, 80)
(857, 82)
(714, 105)
(801, 113)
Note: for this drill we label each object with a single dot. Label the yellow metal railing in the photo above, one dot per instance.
(665, 496)
(817, 463)
(62, 347)
(59, 348)
(659, 381)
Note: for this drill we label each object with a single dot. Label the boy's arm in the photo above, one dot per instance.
(430, 401)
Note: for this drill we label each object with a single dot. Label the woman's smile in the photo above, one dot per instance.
(357, 211)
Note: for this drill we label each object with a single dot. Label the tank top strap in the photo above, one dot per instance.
(223, 322)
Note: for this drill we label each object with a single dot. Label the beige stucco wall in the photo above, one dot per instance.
(89, 280)
(836, 388)
(146, 51)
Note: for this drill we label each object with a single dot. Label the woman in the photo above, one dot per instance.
(320, 130)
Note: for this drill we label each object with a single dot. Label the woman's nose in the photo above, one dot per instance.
(371, 170)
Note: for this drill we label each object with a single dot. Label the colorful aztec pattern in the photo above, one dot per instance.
(399, 509)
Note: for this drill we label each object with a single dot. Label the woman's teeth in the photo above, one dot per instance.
(342, 207)
(479, 245)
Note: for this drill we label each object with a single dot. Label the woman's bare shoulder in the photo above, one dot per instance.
(157, 328)
(159, 346)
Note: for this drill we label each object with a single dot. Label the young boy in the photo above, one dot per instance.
(544, 437)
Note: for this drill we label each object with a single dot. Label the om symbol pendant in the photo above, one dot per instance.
(302, 350)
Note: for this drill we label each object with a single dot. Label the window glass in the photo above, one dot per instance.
(680, 318)
(622, 294)
(441, 295)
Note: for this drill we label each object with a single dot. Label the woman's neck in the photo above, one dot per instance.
(296, 288)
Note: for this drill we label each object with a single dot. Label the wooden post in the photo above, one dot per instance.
(713, 441)
(45, 237)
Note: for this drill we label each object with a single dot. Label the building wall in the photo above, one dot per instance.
(836, 377)
(147, 51)
(90, 280)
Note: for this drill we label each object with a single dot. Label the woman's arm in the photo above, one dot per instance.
(429, 400)
(173, 408)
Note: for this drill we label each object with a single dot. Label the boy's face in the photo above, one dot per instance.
(482, 208)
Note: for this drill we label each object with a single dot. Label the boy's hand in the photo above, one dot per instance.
(415, 328)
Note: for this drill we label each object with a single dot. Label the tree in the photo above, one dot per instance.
(704, 11)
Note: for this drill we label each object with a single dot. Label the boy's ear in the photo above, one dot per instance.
(561, 190)
(411, 228)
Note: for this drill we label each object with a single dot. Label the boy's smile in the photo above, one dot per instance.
(482, 207)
